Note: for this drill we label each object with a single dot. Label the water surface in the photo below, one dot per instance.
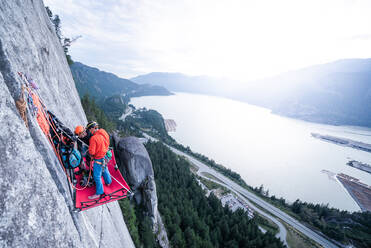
(264, 148)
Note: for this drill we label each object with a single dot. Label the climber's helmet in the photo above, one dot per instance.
(79, 130)
(91, 127)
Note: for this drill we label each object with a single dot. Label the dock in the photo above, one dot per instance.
(361, 166)
(343, 142)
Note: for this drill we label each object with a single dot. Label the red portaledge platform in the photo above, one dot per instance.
(117, 190)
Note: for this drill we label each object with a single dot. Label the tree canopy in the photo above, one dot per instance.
(191, 218)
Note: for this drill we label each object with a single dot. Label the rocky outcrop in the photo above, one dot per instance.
(35, 198)
(135, 163)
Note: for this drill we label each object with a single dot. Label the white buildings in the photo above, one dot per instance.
(235, 203)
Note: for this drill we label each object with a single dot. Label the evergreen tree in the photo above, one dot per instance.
(94, 113)
(191, 218)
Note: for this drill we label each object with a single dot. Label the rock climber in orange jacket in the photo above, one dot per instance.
(98, 147)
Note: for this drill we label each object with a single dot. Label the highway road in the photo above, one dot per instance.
(257, 200)
(282, 230)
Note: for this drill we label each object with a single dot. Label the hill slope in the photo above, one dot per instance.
(181, 82)
(103, 84)
(336, 93)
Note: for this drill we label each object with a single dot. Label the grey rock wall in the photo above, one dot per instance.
(135, 163)
(35, 198)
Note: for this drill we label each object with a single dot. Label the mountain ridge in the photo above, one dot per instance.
(336, 93)
(104, 84)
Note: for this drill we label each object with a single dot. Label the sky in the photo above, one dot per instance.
(237, 39)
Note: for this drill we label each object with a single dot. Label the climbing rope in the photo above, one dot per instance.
(46, 115)
(56, 134)
(121, 184)
(59, 156)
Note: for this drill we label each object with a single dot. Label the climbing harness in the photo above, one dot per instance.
(73, 163)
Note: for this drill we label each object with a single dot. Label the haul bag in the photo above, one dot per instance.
(71, 157)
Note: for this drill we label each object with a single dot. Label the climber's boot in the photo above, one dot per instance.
(93, 197)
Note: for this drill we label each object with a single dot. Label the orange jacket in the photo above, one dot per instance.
(98, 144)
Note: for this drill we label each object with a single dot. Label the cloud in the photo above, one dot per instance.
(236, 38)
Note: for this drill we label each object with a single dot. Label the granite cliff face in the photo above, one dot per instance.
(136, 166)
(35, 200)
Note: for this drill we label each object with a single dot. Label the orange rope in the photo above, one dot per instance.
(57, 153)
(56, 133)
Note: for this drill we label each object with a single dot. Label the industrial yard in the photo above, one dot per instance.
(170, 125)
(359, 191)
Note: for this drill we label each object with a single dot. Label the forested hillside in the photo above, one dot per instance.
(95, 113)
(100, 84)
(191, 218)
(342, 226)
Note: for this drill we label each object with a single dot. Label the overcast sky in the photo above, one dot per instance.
(240, 39)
